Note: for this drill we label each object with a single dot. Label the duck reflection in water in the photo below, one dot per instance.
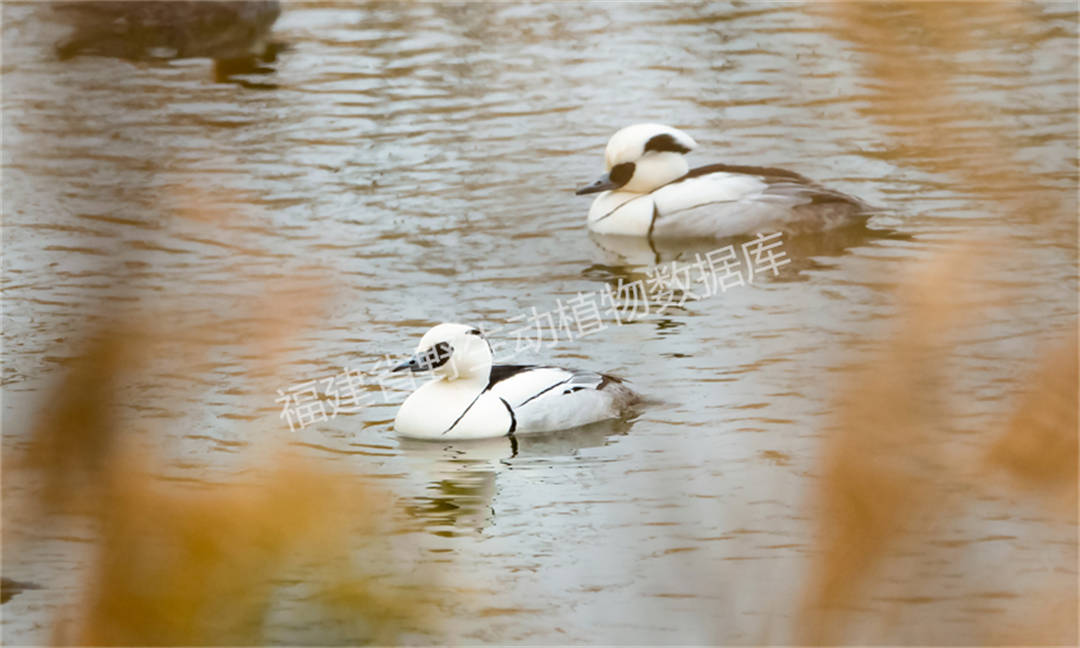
(461, 476)
(235, 34)
(627, 257)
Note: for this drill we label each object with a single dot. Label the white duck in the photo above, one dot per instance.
(650, 190)
(470, 398)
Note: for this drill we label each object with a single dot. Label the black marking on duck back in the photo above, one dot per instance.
(822, 196)
(500, 373)
(769, 173)
(778, 178)
(665, 142)
(606, 380)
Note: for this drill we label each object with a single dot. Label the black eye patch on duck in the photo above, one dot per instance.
(665, 142)
(620, 174)
(436, 356)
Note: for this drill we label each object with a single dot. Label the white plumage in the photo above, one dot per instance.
(470, 398)
(650, 190)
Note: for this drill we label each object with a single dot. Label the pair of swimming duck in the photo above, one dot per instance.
(649, 190)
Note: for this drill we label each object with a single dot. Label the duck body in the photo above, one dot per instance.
(650, 191)
(476, 399)
(443, 410)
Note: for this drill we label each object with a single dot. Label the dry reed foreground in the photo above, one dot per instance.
(277, 540)
(206, 564)
(896, 473)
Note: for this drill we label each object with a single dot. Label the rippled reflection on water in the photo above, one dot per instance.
(421, 160)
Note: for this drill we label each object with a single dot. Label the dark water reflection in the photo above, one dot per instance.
(235, 34)
(462, 475)
(418, 162)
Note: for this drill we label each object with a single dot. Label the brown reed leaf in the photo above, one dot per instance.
(878, 463)
(75, 435)
(198, 568)
(1039, 444)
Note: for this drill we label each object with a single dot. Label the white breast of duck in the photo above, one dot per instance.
(650, 190)
(470, 398)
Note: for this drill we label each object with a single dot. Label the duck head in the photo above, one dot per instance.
(452, 352)
(643, 157)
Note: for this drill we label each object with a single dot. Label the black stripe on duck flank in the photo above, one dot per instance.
(513, 419)
(545, 390)
(652, 223)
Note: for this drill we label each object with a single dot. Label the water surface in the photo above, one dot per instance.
(419, 161)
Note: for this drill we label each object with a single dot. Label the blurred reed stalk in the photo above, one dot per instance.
(204, 563)
(886, 478)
